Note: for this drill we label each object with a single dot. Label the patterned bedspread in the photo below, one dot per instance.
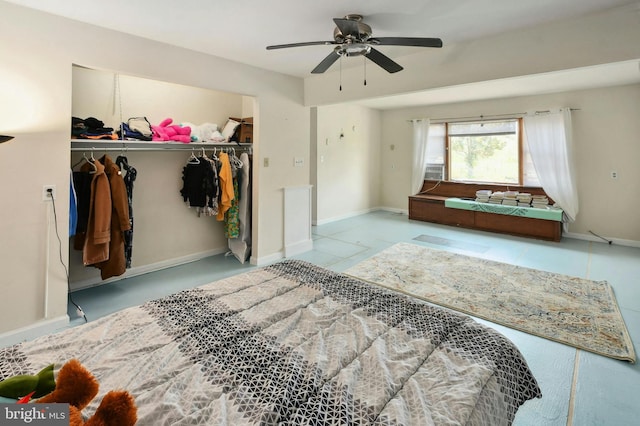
(293, 344)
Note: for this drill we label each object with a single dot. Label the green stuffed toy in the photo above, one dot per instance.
(39, 384)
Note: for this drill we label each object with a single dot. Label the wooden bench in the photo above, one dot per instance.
(429, 206)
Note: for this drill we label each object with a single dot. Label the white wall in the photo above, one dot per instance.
(348, 179)
(112, 97)
(36, 87)
(605, 131)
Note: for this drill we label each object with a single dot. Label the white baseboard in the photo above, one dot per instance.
(589, 237)
(298, 248)
(32, 331)
(266, 260)
(344, 216)
(144, 269)
(290, 250)
(393, 210)
(360, 212)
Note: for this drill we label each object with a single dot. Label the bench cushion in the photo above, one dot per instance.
(531, 212)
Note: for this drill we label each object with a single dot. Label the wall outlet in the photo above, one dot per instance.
(49, 192)
(614, 175)
(298, 162)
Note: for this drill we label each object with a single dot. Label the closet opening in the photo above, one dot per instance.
(167, 229)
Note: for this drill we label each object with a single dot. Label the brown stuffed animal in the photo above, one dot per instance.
(76, 386)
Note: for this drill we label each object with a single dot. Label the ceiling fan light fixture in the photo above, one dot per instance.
(354, 49)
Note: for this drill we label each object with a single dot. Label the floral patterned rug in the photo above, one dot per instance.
(570, 310)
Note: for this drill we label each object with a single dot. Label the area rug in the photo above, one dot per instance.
(574, 311)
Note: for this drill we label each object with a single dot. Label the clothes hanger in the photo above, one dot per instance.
(84, 158)
(234, 158)
(88, 160)
(192, 158)
(203, 154)
(92, 160)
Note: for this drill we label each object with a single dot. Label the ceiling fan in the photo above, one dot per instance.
(352, 37)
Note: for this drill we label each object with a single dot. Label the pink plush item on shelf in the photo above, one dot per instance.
(165, 131)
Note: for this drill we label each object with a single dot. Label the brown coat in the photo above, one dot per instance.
(95, 247)
(116, 264)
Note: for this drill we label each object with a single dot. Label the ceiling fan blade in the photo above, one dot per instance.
(347, 27)
(326, 63)
(307, 43)
(406, 41)
(383, 60)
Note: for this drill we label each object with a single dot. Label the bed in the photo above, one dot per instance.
(293, 344)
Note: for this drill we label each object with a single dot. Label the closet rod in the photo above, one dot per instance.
(199, 149)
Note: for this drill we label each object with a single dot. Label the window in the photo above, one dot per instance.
(480, 152)
(487, 151)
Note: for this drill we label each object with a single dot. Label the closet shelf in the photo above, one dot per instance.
(119, 145)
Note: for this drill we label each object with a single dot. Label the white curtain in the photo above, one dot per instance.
(420, 137)
(550, 144)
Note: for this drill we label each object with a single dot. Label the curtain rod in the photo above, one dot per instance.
(486, 117)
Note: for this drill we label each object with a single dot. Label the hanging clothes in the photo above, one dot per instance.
(82, 180)
(73, 206)
(95, 241)
(240, 246)
(225, 180)
(199, 185)
(115, 264)
(211, 183)
(193, 191)
(221, 186)
(231, 217)
(129, 178)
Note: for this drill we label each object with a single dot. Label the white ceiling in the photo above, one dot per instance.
(619, 73)
(240, 30)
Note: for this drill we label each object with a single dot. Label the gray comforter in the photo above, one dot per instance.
(293, 344)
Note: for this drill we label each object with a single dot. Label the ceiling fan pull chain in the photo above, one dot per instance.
(341, 73)
(364, 60)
